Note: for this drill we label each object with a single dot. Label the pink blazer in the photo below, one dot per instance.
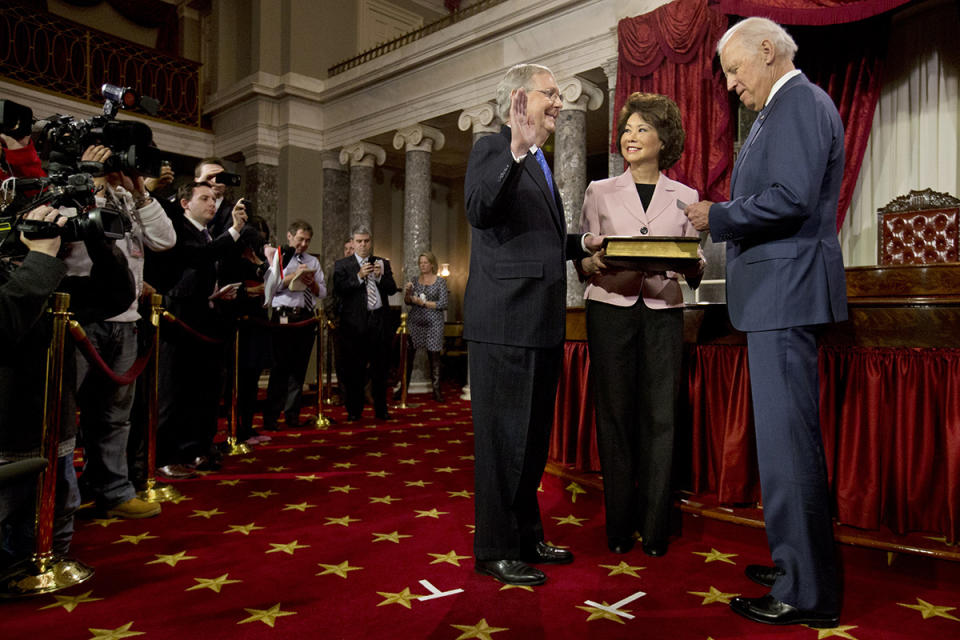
(612, 207)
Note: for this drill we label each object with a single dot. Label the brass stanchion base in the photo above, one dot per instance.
(237, 448)
(322, 422)
(32, 578)
(159, 492)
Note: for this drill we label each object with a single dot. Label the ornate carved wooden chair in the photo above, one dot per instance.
(921, 227)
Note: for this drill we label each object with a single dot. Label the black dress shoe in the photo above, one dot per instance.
(762, 574)
(622, 545)
(207, 463)
(511, 572)
(769, 610)
(655, 548)
(545, 554)
(383, 415)
(176, 471)
(353, 417)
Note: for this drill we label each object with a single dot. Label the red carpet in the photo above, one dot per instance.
(328, 534)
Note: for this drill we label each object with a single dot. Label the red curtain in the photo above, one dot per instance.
(671, 51)
(809, 11)
(573, 441)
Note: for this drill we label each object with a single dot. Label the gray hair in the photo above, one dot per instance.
(518, 76)
(360, 230)
(753, 31)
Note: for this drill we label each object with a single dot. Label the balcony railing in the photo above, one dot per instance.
(407, 38)
(47, 52)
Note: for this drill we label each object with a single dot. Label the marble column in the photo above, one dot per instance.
(482, 118)
(418, 142)
(614, 160)
(361, 157)
(570, 162)
(336, 211)
(261, 187)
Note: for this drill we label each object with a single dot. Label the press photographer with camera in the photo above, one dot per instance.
(212, 171)
(104, 405)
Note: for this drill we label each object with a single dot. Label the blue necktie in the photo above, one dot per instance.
(545, 167)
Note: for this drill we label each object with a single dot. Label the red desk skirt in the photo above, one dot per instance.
(890, 419)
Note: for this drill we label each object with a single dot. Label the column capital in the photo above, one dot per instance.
(580, 94)
(261, 154)
(610, 70)
(482, 118)
(418, 137)
(331, 160)
(362, 154)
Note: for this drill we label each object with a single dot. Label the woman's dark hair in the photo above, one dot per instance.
(663, 114)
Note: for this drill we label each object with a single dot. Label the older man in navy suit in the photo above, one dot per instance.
(784, 279)
(514, 308)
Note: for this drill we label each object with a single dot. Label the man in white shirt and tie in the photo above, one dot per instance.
(364, 282)
(293, 303)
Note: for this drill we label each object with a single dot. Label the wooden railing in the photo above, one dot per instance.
(396, 43)
(44, 51)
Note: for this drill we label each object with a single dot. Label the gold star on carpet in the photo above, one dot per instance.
(378, 474)
(451, 558)
(178, 499)
(516, 586)
(433, 451)
(431, 513)
(424, 436)
(288, 548)
(416, 483)
(418, 424)
(402, 445)
(245, 529)
(214, 584)
(837, 632)
(445, 469)
(390, 537)
(341, 569)
(262, 494)
(277, 469)
(376, 454)
(570, 519)
(460, 494)
(344, 488)
(343, 465)
(203, 474)
(287, 450)
(602, 614)
(372, 438)
(229, 483)
(247, 460)
(346, 433)
(346, 447)
(481, 630)
(470, 457)
(714, 595)
(197, 513)
(408, 461)
(303, 506)
(622, 569)
(266, 616)
(455, 441)
(398, 430)
(115, 634)
(716, 556)
(309, 478)
(448, 428)
(930, 610)
(172, 559)
(319, 441)
(575, 490)
(135, 539)
(71, 602)
(317, 456)
(343, 521)
(104, 522)
(294, 435)
(471, 527)
(402, 598)
(383, 500)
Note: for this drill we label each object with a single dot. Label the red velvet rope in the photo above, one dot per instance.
(90, 353)
(169, 317)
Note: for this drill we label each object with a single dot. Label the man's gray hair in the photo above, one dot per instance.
(518, 76)
(360, 230)
(753, 31)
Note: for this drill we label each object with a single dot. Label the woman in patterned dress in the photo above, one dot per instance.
(426, 295)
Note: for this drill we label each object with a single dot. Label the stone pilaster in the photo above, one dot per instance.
(361, 157)
(614, 160)
(482, 119)
(261, 187)
(570, 161)
(336, 210)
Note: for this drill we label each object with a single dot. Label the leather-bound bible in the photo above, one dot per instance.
(648, 253)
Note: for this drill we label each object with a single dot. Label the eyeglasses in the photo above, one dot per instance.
(552, 94)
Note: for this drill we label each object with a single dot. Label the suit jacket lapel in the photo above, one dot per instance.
(664, 197)
(628, 197)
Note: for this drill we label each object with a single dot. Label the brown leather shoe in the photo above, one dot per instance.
(134, 509)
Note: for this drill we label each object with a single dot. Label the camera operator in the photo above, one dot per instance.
(105, 292)
(105, 406)
(209, 170)
(20, 158)
(190, 368)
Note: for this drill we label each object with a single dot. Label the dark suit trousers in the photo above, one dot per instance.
(513, 391)
(365, 347)
(793, 473)
(292, 348)
(635, 363)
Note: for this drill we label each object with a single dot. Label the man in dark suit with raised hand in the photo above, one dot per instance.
(515, 305)
(363, 282)
(785, 279)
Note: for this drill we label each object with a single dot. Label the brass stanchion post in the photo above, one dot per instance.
(402, 332)
(44, 572)
(328, 393)
(155, 491)
(322, 421)
(236, 448)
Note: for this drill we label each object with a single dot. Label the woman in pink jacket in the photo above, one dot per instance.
(635, 325)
